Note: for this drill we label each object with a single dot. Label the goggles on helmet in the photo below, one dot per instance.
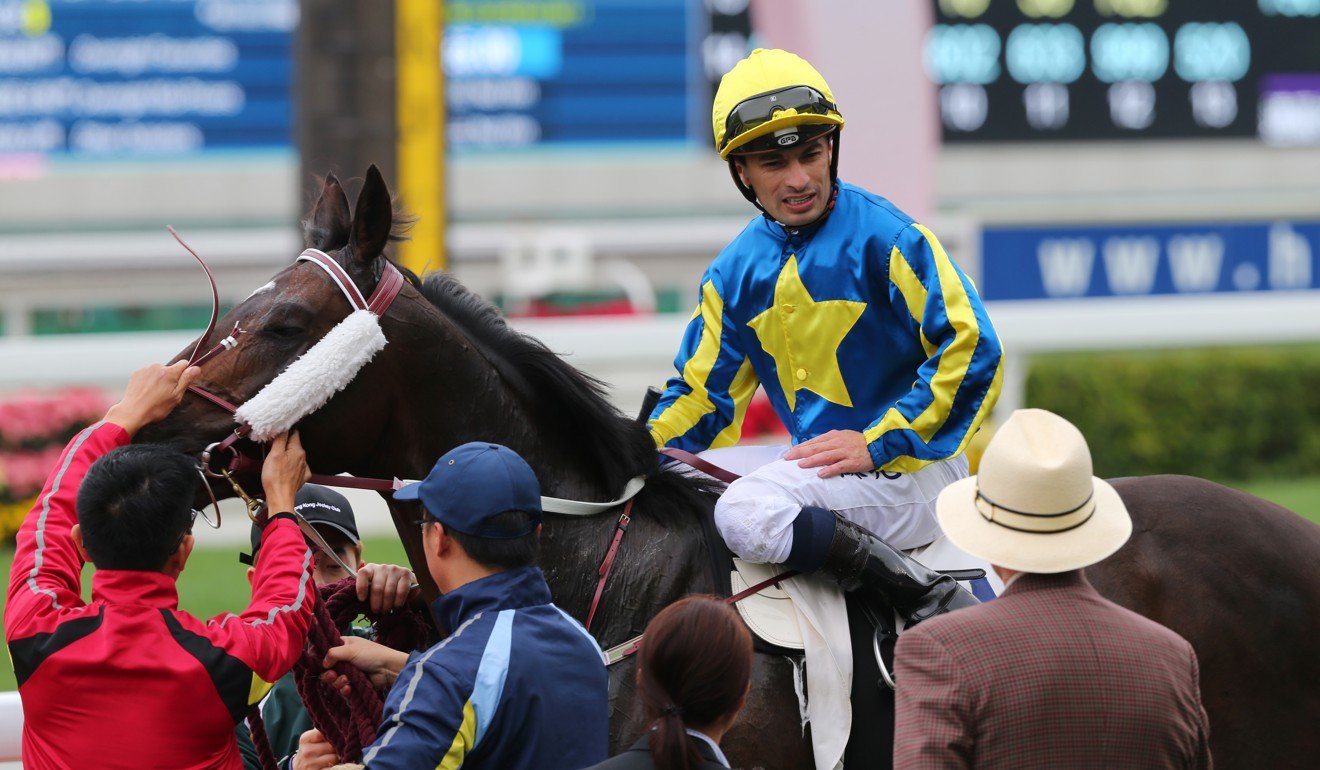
(750, 113)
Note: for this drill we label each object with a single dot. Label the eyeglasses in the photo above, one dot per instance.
(192, 519)
(750, 113)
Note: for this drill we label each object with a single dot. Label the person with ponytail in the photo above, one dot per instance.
(694, 667)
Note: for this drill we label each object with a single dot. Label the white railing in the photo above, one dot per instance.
(11, 730)
(632, 352)
(143, 268)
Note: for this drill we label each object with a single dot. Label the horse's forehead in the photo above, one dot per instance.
(266, 287)
(306, 286)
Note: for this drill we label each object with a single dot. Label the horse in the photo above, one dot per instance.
(1237, 576)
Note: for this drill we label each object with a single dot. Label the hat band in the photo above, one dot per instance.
(1032, 522)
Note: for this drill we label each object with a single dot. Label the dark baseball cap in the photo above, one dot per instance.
(321, 507)
(472, 484)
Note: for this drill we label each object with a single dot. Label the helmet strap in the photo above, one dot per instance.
(750, 194)
(834, 159)
(747, 192)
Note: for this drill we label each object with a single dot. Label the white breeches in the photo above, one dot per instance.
(755, 514)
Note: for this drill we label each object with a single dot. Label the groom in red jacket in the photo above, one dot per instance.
(129, 680)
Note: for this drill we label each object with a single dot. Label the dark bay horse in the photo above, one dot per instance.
(1238, 577)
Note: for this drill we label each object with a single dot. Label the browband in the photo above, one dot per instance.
(387, 288)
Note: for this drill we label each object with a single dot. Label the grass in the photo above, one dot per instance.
(214, 581)
(1299, 495)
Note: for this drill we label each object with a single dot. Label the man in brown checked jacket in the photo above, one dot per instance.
(1050, 674)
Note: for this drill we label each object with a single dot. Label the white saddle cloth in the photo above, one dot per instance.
(808, 613)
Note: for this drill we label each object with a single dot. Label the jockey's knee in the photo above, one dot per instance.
(756, 527)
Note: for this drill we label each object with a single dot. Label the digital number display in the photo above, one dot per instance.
(94, 78)
(1014, 70)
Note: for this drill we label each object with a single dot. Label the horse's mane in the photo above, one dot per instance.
(565, 398)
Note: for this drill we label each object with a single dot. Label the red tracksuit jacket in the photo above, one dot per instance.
(129, 680)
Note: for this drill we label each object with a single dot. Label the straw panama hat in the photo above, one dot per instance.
(1034, 506)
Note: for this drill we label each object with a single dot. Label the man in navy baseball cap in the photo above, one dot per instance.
(481, 517)
(471, 488)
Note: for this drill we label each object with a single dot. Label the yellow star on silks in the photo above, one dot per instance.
(803, 336)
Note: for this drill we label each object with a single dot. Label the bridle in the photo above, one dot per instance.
(387, 289)
(224, 459)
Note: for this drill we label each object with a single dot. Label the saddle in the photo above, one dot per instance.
(871, 631)
(773, 620)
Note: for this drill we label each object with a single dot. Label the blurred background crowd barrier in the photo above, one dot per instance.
(1132, 184)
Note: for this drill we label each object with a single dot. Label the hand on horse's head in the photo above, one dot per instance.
(284, 472)
(152, 393)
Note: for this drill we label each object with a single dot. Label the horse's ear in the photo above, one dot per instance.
(327, 227)
(372, 218)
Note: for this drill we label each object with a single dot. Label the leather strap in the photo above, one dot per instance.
(622, 651)
(215, 299)
(214, 399)
(565, 507)
(607, 564)
(337, 274)
(228, 343)
(387, 288)
(708, 468)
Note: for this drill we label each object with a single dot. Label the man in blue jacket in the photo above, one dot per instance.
(870, 342)
(517, 683)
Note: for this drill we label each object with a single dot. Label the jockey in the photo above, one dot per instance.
(870, 342)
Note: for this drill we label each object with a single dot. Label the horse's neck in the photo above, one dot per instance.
(488, 410)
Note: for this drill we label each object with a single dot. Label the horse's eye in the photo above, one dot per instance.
(284, 331)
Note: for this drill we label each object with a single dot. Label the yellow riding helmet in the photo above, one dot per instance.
(765, 94)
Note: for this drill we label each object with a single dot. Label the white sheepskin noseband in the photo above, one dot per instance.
(318, 374)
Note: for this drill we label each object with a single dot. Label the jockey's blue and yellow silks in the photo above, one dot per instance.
(518, 684)
(859, 323)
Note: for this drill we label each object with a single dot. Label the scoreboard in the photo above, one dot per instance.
(97, 78)
(167, 78)
(556, 73)
(1023, 70)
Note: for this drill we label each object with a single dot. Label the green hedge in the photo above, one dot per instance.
(1224, 413)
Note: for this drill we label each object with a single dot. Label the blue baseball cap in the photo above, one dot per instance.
(475, 482)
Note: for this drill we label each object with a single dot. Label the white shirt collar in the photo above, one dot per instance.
(1013, 579)
(719, 755)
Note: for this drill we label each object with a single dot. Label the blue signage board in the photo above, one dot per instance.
(555, 73)
(1072, 262)
(90, 78)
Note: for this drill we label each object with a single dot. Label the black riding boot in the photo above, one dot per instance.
(860, 561)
